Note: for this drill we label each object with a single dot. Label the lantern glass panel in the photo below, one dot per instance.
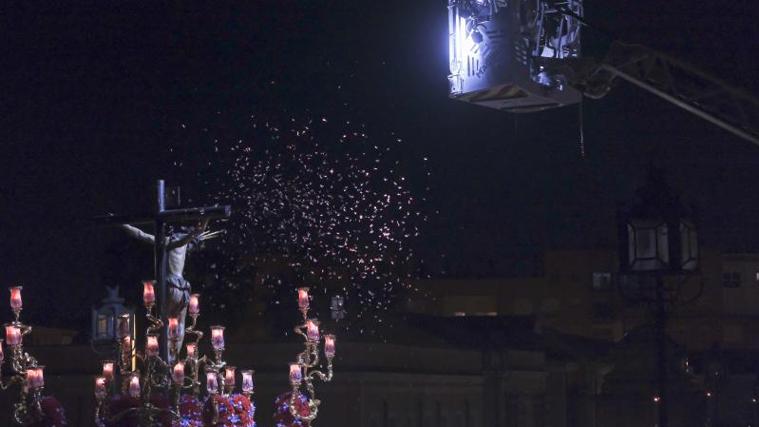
(688, 246)
(648, 245)
(102, 326)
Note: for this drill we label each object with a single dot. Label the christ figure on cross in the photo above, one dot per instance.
(178, 243)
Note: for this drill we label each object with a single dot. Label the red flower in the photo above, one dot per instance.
(191, 411)
(282, 415)
(53, 415)
(233, 411)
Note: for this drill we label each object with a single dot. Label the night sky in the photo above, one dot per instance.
(94, 96)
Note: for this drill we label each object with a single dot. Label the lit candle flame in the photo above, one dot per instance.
(148, 293)
(229, 376)
(296, 374)
(212, 382)
(312, 330)
(12, 335)
(247, 381)
(108, 370)
(191, 347)
(151, 347)
(303, 301)
(217, 337)
(177, 374)
(100, 390)
(194, 308)
(134, 386)
(38, 381)
(123, 325)
(16, 302)
(329, 346)
(173, 328)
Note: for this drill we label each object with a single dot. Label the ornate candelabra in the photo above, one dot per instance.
(146, 378)
(306, 366)
(25, 371)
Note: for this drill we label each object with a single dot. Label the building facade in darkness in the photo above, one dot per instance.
(559, 349)
(581, 293)
(712, 328)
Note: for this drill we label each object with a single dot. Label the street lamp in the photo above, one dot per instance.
(658, 237)
(110, 317)
(658, 233)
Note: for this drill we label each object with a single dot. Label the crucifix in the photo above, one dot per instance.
(169, 247)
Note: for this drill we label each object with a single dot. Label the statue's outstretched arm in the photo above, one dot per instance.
(189, 237)
(138, 234)
(207, 235)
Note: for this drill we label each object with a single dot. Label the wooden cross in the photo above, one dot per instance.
(160, 219)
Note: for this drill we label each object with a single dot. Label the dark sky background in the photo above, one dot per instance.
(93, 95)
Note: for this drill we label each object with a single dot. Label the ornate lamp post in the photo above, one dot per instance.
(110, 322)
(658, 237)
(653, 241)
(105, 318)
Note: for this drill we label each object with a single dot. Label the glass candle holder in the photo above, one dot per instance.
(148, 293)
(12, 335)
(177, 373)
(303, 299)
(191, 350)
(30, 374)
(126, 345)
(134, 386)
(229, 376)
(194, 307)
(108, 370)
(173, 328)
(122, 325)
(329, 346)
(151, 346)
(100, 389)
(16, 302)
(296, 374)
(312, 330)
(247, 381)
(212, 382)
(38, 380)
(217, 337)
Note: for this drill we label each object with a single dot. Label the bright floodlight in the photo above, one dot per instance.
(512, 55)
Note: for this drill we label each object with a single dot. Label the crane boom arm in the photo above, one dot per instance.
(681, 84)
